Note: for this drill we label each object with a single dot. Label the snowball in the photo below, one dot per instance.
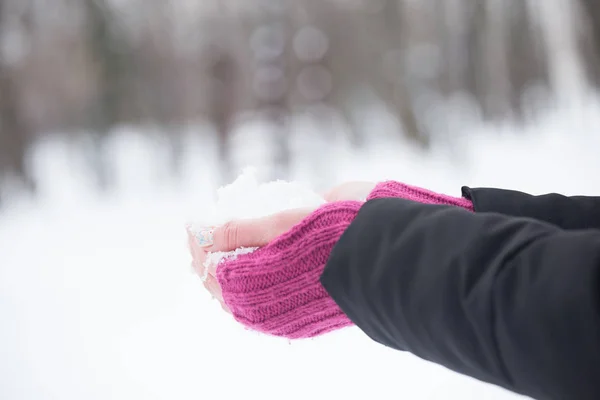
(246, 198)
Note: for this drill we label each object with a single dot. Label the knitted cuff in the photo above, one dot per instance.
(397, 189)
(276, 289)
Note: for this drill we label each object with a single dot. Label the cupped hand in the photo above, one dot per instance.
(257, 232)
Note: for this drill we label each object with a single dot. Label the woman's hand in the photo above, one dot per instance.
(258, 232)
(233, 235)
(350, 191)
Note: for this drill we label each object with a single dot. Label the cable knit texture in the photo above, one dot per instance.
(276, 289)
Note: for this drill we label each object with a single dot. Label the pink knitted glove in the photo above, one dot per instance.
(276, 289)
(402, 190)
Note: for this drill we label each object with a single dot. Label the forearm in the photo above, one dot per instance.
(505, 300)
(566, 212)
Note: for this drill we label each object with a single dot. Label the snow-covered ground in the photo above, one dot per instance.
(97, 299)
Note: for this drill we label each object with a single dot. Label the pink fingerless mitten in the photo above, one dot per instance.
(402, 190)
(277, 290)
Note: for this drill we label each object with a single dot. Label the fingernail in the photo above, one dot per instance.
(206, 237)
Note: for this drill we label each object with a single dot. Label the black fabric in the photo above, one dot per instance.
(576, 212)
(510, 301)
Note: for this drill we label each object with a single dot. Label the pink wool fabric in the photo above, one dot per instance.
(276, 289)
(398, 189)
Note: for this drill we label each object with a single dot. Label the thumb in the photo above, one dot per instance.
(255, 232)
(242, 233)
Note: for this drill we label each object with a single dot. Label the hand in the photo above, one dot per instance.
(233, 235)
(259, 232)
(350, 191)
(276, 289)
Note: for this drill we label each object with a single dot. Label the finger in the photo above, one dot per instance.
(204, 237)
(225, 308)
(255, 232)
(191, 241)
(198, 241)
(200, 269)
(242, 233)
(212, 285)
(211, 267)
(198, 254)
(330, 195)
(357, 190)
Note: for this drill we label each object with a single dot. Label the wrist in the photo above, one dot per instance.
(398, 189)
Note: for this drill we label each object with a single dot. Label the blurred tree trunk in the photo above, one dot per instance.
(221, 93)
(272, 101)
(163, 77)
(498, 85)
(476, 37)
(451, 25)
(106, 43)
(488, 66)
(592, 9)
(525, 53)
(396, 26)
(590, 38)
(15, 135)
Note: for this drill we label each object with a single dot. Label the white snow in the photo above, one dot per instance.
(248, 197)
(97, 300)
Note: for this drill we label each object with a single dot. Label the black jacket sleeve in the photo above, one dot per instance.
(575, 212)
(510, 301)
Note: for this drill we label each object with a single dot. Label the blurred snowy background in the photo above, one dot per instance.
(120, 118)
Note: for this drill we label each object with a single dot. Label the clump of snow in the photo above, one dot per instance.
(216, 257)
(246, 198)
